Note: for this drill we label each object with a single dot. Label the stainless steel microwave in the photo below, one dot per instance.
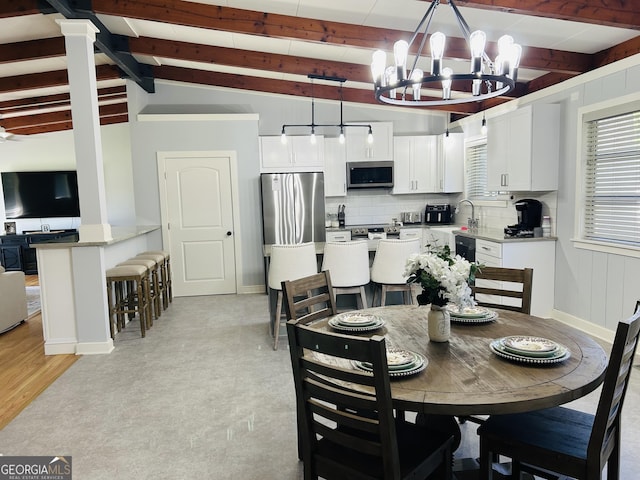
(370, 174)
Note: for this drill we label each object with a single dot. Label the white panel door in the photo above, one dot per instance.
(200, 214)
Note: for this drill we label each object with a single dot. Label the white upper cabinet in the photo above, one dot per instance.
(358, 147)
(450, 168)
(297, 155)
(428, 164)
(415, 164)
(335, 168)
(523, 149)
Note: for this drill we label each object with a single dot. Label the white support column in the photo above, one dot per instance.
(87, 264)
(80, 35)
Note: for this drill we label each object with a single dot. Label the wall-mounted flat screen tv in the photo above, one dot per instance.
(40, 194)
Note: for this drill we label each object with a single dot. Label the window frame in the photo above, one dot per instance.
(500, 199)
(619, 106)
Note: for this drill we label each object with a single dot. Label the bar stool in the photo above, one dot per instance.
(348, 263)
(288, 262)
(389, 264)
(134, 301)
(154, 283)
(165, 275)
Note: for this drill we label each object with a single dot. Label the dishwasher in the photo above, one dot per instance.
(466, 247)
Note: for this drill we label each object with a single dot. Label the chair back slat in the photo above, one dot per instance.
(523, 276)
(339, 405)
(309, 298)
(606, 427)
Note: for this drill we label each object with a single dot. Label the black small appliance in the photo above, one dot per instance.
(529, 217)
(441, 214)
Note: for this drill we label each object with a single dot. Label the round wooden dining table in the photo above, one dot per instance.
(464, 377)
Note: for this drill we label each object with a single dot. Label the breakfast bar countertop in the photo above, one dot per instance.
(119, 234)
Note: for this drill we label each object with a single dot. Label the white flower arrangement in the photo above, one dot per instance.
(443, 278)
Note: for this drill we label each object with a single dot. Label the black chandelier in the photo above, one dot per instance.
(486, 79)
(341, 126)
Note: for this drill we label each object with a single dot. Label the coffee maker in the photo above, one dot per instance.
(529, 217)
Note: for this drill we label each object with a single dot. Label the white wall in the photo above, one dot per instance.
(593, 287)
(56, 151)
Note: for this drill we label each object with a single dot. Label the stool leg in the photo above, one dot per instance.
(142, 310)
(169, 285)
(110, 309)
(156, 292)
(276, 321)
(119, 305)
(363, 297)
(164, 288)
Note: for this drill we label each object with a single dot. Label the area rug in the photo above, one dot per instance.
(33, 300)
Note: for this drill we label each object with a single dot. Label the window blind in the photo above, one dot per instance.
(612, 183)
(476, 171)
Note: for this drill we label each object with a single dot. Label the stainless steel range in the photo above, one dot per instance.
(374, 233)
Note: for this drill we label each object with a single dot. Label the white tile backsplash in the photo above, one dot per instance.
(371, 207)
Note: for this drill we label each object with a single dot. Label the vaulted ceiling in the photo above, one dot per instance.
(272, 46)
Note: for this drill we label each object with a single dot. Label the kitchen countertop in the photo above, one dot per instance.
(406, 225)
(497, 235)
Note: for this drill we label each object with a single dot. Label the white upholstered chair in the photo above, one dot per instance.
(288, 262)
(348, 263)
(388, 267)
(13, 299)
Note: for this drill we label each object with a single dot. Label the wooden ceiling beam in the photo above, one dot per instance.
(47, 101)
(67, 125)
(32, 50)
(13, 124)
(620, 51)
(15, 8)
(284, 87)
(55, 78)
(614, 13)
(312, 30)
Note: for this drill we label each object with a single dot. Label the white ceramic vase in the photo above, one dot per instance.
(439, 322)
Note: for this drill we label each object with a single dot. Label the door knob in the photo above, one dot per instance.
(228, 234)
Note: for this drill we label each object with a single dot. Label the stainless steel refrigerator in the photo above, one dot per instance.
(292, 207)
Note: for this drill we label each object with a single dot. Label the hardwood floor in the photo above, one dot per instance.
(25, 371)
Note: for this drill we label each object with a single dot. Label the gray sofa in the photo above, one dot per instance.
(13, 298)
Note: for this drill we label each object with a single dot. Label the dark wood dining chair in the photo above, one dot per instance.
(309, 298)
(347, 424)
(522, 276)
(560, 441)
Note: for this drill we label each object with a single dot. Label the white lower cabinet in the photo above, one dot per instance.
(536, 254)
(411, 233)
(341, 236)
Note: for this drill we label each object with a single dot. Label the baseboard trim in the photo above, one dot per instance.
(251, 289)
(588, 327)
(95, 348)
(60, 347)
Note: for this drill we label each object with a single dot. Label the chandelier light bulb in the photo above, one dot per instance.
(514, 61)
(436, 42)
(504, 44)
(416, 76)
(378, 64)
(486, 78)
(391, 76)
(483, 128)
(283, 137)
(400, 52)
(341, 138)
(312, 139)
(370, 136)
(477, 42)
(446, 83)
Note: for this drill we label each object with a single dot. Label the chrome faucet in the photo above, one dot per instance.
(472, 222)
